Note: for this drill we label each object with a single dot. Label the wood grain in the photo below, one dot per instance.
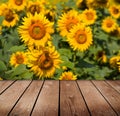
(11, 95)
(47, 103)
(4, 84)
(95, 101)
(112, 96)
(115, 85)
(25, 104)
(71, 101)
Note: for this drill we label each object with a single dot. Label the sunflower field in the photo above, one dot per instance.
(59, 39)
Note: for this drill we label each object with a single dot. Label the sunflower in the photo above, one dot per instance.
(101, 57)
(10, 18)
(114, 61)
(118, 63)
(35, 30)
(44, 61)
(18, 4)
(35, 7)
(116, 32)
(115, 11)
(1, 78)
(114, 2)
(18, 58)
(79, 3)
(109, 24)
(80, 37)
(89, 16)
(68, 76)
(97, 3)
(67, 21)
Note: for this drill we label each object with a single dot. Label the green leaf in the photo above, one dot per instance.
(65, 52)
(3, 1)
(55, 40)
(84, 64)
(27, 75)
(17, 48)
(19, 70)
(2, 66)
(1, 19)
(68, 64)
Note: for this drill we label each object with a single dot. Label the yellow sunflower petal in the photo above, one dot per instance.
(18, 4)
(80, 37)
(89, 16)
(45, 61)
(109, 24)
(67, 21)
(18, 58)
(68, 76)
(36, 30)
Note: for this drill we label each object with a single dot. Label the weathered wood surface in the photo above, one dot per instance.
(59, 98)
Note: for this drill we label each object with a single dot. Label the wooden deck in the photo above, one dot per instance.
(59, 98)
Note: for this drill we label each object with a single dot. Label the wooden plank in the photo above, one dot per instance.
(47, 103)
(114, 84)
(112, 96)
(71, 101)
(11, 95)
(95, 101)
(4, 84)
(25, 104)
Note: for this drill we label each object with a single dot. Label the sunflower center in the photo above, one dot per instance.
(34, 8)
(18, 2)
(89, 15)
(45, 62)
(37, 31)
(115, 11)
(81, 37)
(19, 59)
(9, 15)
(109, 24)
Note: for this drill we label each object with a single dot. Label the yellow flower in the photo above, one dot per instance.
(18, 4)
(67, 21)
(89, 16)
(115, 11)
(116, 32)
(80, 37)
(11, 18)
(43, 62)
(114, 61)
(79, 3)
(1, 79)
(109, 24)
(35, 30)
(97, 3)
(35, 7)
(101, 57)
(114, 2)
(68, 76)
(64, 67)
(18, 58)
